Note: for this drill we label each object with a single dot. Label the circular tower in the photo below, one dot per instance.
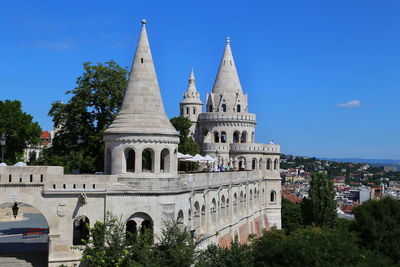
(141, 141)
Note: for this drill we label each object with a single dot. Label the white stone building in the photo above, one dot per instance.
(142, 184)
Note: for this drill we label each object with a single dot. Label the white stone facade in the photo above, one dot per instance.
(142, 184)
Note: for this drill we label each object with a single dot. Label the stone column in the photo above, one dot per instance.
(138, 160)
(116, 160)
(157, 161)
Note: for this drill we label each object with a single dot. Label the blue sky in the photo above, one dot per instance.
(323, 77)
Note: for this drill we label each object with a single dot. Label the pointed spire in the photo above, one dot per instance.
(227, 79)
(192, 83)
(142, 109)
(191, 95)
(191, 78)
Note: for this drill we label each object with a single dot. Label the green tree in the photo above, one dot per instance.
(313, 246)
(237, 255)
(321, 206)
(81, 122)
(177, 246)
(110, 245)
(18, 128)
(378, 224)
(291, 215)
(186, 145)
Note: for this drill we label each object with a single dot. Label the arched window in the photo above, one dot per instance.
(180, 217)
(242, 164)
(244, 137)
(187, 110)
(194, 111)
(130, 160)
(253, 164)
(238, 108)
(165, 159)
(205, 133)
(81, 230)
(223, 213)
(216, 137)
(196, 209)
(203, 218)
(223, 107)
(210, 108)
(131, 230)
(275, 164)
(223, 137)
(272, 197)
(148, 160)
(268, 164)
(147, 227)
(236, 137)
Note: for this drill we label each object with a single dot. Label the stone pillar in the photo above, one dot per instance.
(207, 212)
(157, 161)
(116, 160)
(138, 161)
(231, 206)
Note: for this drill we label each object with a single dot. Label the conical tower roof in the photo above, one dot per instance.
(227, 80)
(191, 95)
(142, 110)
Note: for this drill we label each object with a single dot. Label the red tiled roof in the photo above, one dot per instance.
(346, 209)
(292, 198)
(45, 134)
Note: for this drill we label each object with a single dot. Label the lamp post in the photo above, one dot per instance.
(15, 209)
(3, 140)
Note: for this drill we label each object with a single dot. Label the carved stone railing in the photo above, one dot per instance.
(224, 116)
(254, 148)
(199, 180)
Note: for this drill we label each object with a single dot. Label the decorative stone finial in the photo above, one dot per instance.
(144, 21)
(228, 40)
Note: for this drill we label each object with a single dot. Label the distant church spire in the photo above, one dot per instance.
(142, 109)
(227, 79)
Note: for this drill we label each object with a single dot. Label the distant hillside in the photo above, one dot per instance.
(380, 162)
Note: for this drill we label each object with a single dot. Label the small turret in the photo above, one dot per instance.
(191, 105)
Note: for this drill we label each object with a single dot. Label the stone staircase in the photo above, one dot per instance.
(36, 259)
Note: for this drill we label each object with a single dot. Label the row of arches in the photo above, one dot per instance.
(138, 223)
(237, 137)
(269, 165)
(238, 108)
(148, 160)
(222, 210)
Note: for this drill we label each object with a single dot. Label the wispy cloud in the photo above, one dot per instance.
(59, 46)
(350, 104)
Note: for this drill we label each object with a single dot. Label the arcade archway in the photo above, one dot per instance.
(23, 235)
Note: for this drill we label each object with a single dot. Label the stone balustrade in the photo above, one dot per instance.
(254, 148)
(224, 116)
(199, 180)
(221, 147)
